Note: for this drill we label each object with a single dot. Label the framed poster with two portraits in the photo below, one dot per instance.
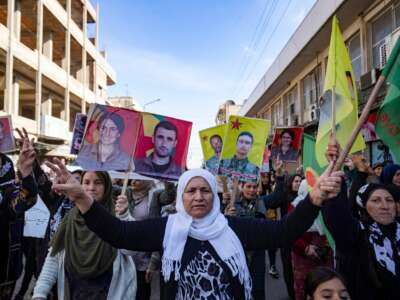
(110, 138)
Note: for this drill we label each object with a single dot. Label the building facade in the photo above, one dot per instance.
(50, 64)
(289, 92)
(125, 101)
(225, 110)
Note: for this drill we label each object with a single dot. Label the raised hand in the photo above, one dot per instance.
(121, 205)
(333, 150)
(67, 185)
(327, 186)
(279, 167)
(27, 154)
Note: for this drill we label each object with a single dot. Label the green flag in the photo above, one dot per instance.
(313, 170)
(388, 117)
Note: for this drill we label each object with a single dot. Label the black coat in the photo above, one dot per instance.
(365, 278)
(254, 234)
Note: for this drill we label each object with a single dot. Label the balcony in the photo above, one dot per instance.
(53, 127)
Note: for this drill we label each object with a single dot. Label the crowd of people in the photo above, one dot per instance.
(338, 240)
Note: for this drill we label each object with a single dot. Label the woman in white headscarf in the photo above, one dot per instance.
(202, 250)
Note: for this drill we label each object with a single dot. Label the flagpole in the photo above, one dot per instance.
(333, 109)
(126, 178)
(364, 116)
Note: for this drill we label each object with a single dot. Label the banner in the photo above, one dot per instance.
(164, 143)
(36, 220)
(243, 149)
(211, 140)
(110, 138)
(79, 130)
(7, 143)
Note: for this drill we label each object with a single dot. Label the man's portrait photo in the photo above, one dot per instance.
(243, 149)
(109, 140)
(163, 147)
(286, 144)
(212, 140)
(6, 135)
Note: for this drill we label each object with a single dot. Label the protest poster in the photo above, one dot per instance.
(7, 143)
(110, 138)
(164, 143)
(211, 140)
(243, 149)
(79, 130)
(36, 220)
(287, 144)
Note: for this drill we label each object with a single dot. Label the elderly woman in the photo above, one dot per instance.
(202, 250)
(106, 154)
(369, 247)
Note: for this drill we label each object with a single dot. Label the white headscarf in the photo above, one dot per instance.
(212, 228)
(301, 195)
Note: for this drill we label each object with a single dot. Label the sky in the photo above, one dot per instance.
(194, 54)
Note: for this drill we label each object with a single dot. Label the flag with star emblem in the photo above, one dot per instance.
(243, 148)
(211, 140)
(162, 149)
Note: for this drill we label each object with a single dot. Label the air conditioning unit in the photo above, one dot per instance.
(369, 79)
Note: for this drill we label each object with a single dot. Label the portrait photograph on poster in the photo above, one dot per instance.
(164, 143)
(211, 140)
(109, 139)
(78, 132)
(243, 148)
(7, 143)
(287, 144)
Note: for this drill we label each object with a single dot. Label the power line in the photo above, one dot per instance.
(255, 43)
(265, 46)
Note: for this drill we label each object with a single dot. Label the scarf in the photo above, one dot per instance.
(86, 255)
(382, 246)
(213, 228)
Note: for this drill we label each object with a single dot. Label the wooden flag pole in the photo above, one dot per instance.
(126, 179)
(235, 190)
(364, 116)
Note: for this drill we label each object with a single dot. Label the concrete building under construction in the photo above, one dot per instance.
(50, 64)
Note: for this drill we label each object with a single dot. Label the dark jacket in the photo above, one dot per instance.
(356, 259)
(15, 200)
(148, 235)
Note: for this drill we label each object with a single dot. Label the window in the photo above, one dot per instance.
(290, 107)
(381, 29)
(312, 86)
(277, 114)
(354, 48)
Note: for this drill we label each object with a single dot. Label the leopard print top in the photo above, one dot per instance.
(204, 279)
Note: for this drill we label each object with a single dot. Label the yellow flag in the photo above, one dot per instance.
(211, 140)
(340, 78)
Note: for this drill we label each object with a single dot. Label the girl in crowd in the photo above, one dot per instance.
(84, 266)
(203, 251)
(324, 283)
(309, 251)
